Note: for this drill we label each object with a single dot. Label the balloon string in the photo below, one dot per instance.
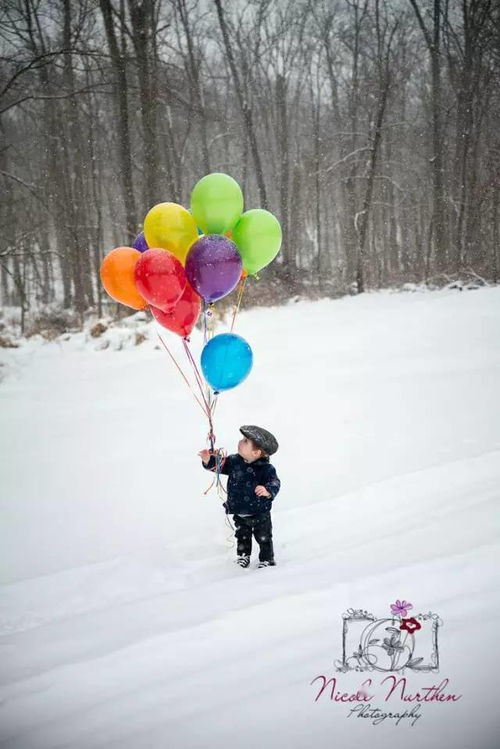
(207, 490)
(208, 327)
(199, 382)
(205, 334)
(208, 407)
(207, 410)
(211, 323)
(207, 312)
(214, 404)
(198, 377)
(241, 289)
(203, 408)
(208, 333)
(220, 457)
(230, 539)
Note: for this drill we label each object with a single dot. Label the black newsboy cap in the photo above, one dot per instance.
(261, 437)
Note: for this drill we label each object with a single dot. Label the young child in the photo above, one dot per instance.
(251, 487)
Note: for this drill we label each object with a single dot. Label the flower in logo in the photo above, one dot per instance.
(410, 625)
(392, 645)
(401, 608)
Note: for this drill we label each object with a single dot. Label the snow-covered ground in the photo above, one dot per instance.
(124, 620)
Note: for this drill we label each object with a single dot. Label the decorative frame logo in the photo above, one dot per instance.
(412, 644)
(363, 636)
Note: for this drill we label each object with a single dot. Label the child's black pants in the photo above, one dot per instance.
(261, 528)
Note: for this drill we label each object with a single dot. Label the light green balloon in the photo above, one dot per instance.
(216, 203)
(258, 238)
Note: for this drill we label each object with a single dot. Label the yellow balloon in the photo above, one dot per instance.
(171, 227)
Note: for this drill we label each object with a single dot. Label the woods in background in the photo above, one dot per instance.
(370, 128)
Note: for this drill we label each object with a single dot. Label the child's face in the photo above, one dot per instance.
(247, 450)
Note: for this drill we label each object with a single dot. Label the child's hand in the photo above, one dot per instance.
(204, 455)
(261, 491)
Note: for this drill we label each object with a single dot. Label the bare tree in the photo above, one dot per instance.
(118, 59)
(245, 105)
(376, 144)
(433, 35)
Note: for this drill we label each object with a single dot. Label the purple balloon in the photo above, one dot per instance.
(140, 243)
(213, 267)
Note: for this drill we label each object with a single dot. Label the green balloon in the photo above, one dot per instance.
(216, 203)
(258, 238)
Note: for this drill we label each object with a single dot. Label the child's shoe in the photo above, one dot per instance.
(266, 564)
(243, 561)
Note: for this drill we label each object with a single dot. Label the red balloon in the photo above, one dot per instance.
(182, 317)
(160, 278)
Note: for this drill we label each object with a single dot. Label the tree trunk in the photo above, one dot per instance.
(246, 109)
(439, 218)
(142, 30)
(365, 211)
(193, 70)
(284, 170)
(122, 119)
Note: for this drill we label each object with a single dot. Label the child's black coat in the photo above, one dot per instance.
(243, 479)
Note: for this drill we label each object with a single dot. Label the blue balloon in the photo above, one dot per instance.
(226, 361)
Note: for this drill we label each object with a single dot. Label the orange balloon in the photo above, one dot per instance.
(117, 276)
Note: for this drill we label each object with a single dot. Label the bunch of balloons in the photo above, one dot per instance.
(184, 259)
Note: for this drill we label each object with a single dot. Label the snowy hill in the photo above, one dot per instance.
(124, 620)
